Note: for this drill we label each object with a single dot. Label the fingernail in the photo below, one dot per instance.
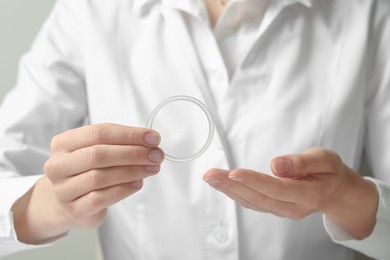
(236, 178)
(136, 184)
(156, 155)
(281, 166)
(213, 181)
(152, 138)
(152, 168)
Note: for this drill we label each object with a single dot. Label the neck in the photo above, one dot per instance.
(215, 9)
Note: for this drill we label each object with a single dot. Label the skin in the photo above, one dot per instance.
(90, 169)
(59, 202)
(96, 166)
(215, 10)
(315, 181)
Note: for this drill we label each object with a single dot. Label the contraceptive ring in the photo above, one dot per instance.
(209, 119)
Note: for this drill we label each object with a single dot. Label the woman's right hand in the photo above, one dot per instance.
(94, 167)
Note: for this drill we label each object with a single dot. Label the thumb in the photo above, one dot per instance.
(312, 161)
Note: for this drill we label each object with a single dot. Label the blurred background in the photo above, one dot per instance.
(20, 20)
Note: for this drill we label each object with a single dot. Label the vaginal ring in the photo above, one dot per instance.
(209, 119)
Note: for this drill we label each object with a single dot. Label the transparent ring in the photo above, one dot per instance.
(209, 119)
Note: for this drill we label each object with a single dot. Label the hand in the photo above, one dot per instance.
(90, 169)
(315, 181)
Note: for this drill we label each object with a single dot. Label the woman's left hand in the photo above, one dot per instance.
(315, 181)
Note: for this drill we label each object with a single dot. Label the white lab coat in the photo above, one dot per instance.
(314, 73)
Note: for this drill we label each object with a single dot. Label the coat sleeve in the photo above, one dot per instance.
(48, 99)
(377, 137)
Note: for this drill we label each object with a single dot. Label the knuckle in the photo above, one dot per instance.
(57, 142)
(300, 163)
(332, 158)
(94, 155)
(51, 167)
(134, 155)
(47, 167)
(97, 178)
(99, 132)
(54, 144)
(131, 133)
(314, 149)
(95, 200)
(326, 154)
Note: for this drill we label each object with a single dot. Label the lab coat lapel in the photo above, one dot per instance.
(173, 17)
(274, 9)
(271, 12)
(185, 44)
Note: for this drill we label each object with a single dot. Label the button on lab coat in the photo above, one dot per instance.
(285, 78)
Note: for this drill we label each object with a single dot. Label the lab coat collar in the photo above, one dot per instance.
(140, 6)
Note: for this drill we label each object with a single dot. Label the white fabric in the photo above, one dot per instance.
(313, 73)
(380, 232)
(11, 189)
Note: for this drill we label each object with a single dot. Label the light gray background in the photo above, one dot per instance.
(20, 21)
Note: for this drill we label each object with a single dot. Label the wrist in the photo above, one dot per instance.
(37, 216)
(355, 206)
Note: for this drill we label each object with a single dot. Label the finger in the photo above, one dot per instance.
(101, 156)
(262, 203)
(97, 179)
(305, 192)
(240, 200)
(215, 178)
(248, 197)
(276, 188)
(96, 201)
(104, 134)
(314, 160)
